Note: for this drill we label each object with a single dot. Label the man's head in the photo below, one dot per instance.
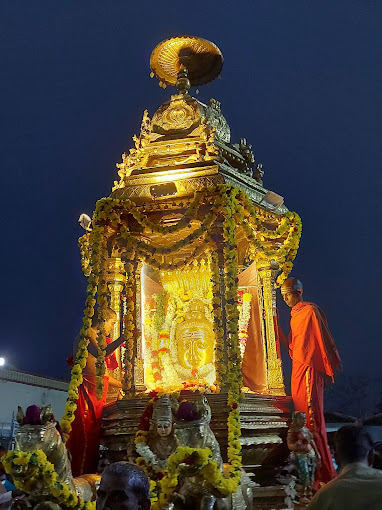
(110, 320)
(291, 291)
(123, 486)
(353, 444)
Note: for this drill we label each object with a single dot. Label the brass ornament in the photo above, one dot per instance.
(202, 59)
(179, 114)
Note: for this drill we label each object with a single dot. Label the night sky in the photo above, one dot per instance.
(301, 81)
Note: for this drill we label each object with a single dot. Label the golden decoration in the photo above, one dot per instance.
(202, 59)
(181, 113)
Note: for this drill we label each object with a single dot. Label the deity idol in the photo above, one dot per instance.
(161, 442)
(195, 338)
(301, 443)
(192, 429)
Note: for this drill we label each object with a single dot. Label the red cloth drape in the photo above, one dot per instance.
(111, 361)
(315, 359)
(84, 439)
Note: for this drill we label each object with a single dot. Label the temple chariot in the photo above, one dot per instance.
(188, 250)
(190, 246)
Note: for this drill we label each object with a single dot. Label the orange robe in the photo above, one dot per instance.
(315, 359)
(254, 366)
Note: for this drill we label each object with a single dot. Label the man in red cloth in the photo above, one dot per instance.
(83, 442)
(315, 361)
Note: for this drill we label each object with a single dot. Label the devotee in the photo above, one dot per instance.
(358, 486)
(83, 442)
(123, 486)
(314, 362)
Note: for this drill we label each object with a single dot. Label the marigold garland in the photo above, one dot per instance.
(102, 306)
(164, 479)
(82, 351)
(41, 474)
(224, 202)
(218, 301)
(84, 246)
(129, 329)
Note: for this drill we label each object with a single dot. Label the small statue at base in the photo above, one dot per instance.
(301, 443)
(192, 429)
(161, 442)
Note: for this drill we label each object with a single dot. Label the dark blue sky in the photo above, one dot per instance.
(301, 81)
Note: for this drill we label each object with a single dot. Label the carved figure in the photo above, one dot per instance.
(259, 173)
(192, 429)
(301, 443)
(38, 431)
(246, 151)
(161, 442)
(195, 338)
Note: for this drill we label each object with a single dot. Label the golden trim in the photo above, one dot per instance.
(275, 375)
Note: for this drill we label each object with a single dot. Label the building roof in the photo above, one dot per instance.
(33, 380)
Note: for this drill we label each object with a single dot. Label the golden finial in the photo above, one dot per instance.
(186, 59)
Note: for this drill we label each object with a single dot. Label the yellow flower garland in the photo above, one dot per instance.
(129, 329)
(232, 207)
(102, 292)
(41, 474)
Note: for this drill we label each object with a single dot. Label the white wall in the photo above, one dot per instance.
(15, 394)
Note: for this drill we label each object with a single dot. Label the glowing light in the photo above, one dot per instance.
(2, 362)
(168, 176)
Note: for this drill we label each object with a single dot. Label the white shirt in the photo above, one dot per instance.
(357, 487)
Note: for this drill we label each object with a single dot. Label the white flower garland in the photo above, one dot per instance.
(244, 317)
(149, 457)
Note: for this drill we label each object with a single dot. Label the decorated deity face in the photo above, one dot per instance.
(164, 427)
(195, 339)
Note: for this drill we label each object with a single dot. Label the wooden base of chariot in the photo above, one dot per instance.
(264, 425)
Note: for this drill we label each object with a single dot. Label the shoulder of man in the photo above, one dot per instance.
(323, 498)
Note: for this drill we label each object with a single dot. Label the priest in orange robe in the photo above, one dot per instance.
(315, 360)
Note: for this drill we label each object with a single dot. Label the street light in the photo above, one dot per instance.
(2, 362)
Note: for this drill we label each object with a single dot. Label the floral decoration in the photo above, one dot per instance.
(41, 474)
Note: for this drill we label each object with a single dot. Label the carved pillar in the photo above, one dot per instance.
(263, 328)
(267, 274)
(139, 379)
(116, 280)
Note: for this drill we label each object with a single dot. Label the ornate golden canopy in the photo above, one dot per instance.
(202, 59)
